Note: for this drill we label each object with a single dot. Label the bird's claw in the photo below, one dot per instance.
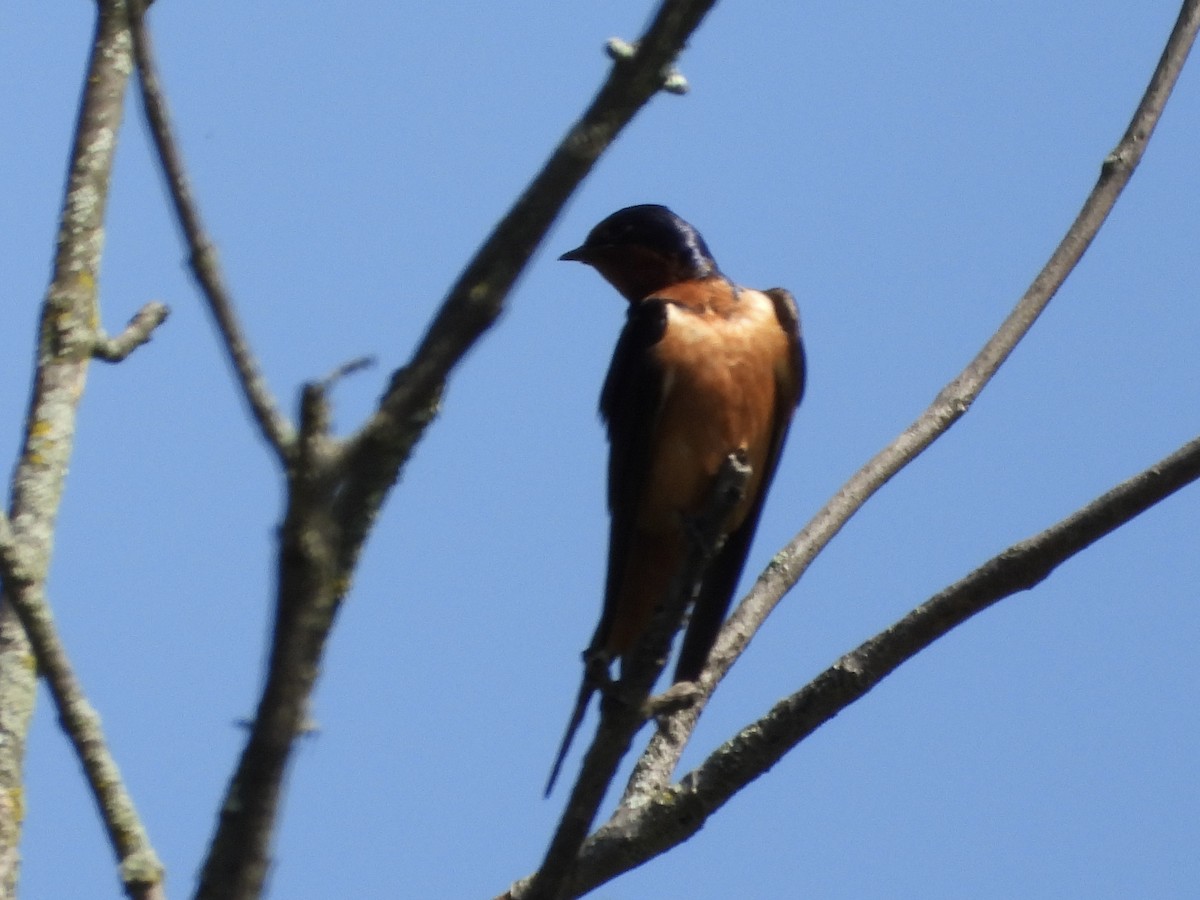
(681, 695)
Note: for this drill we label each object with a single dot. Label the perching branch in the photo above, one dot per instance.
(677, 812)
(274, 426)
(68, 339)
(623, 709)
(790, 563)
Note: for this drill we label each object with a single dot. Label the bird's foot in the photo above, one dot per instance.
(681, 695)
(596, 664)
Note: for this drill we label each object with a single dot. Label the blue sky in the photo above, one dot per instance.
(905, 171)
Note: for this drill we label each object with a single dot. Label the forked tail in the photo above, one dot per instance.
(585, 694)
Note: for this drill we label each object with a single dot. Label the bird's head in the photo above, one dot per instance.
(641, 249)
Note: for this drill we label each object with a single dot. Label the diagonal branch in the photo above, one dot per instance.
(141, 870)
(952, 402)
(678, 812)
(67, 341)
(379, 450)
(276, 429)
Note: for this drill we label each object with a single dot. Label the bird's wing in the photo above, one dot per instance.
(720, 581)
(629, 405)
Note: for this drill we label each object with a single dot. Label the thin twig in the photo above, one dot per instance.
(679, 811)
(952, 402)
(346, 369)
(276, 429)
(136, 333)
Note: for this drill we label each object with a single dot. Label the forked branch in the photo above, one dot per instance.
(674, 814)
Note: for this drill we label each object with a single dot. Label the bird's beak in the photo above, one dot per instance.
(579, 254)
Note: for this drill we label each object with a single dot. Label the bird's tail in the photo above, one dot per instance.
(585, 694)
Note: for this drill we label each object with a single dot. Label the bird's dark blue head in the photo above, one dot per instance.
(641, 249)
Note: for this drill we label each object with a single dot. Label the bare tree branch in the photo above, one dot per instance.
(67, 342)
(679, 811)
(790, 563)
(379, 450)
(309, 593)
(274, 426)
(141, 870)
(136, 333)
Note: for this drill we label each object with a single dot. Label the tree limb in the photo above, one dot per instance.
(309, 593)
(68, 339)
(377, 452)
(679, 811)
(140, 869)
(274, 426)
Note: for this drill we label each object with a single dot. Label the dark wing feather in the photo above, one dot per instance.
(789, 320)
(720, 581)
(629, 405)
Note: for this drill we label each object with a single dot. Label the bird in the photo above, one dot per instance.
(703, 368)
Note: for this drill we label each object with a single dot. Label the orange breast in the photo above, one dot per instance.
(719, 397)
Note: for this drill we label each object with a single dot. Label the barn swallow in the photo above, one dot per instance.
(703, 368)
